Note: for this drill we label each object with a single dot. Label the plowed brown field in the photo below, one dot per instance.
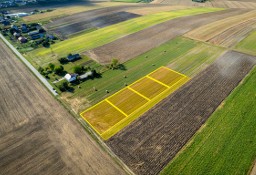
(39, 136)
(148, 144)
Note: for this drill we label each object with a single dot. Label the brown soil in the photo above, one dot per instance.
(244, 4)
(94, 23)
(135, 44)
(89, 15)
(38, 135)
(151, 142)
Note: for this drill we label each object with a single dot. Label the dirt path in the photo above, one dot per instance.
(253, 172)
(151, 142)
(135, 44)
(39, 136)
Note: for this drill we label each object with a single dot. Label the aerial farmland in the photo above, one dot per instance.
(128, 87)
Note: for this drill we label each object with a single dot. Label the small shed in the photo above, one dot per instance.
(71, 77)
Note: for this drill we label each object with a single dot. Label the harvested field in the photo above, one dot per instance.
(95, 23)
(242, 4)
(152, 37)
(149, 143)
(115, 112)
(248, 45)
(226, 32)
(233, 35)
(37, 134)
(108, 34)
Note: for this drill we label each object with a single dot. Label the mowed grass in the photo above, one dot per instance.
(227, 142)
(105, 35)
(166, 54)
(196, 59)
(248, 45)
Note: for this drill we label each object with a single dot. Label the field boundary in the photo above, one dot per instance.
(140, 110)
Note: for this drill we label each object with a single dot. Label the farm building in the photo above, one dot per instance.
(71, 77)
(22, 39)
(72, 57)
(86, 75)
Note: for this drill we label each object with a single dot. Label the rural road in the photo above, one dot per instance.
(38, 75)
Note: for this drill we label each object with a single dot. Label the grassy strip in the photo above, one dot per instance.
(227, 142)
(108, 34)
(173, 53)
(248, 45)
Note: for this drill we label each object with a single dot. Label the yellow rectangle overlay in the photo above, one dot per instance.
(117, 111)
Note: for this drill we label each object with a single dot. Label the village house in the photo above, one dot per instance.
(71, 77)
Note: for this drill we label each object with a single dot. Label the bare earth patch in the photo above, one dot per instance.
(37, 134)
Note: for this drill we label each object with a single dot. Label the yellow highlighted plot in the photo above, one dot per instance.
(119, 110)
(166, 76)
(148, 87)
(127, 101)
(102, 116)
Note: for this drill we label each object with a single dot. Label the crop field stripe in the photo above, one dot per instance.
(116, 107)
(158, 81)
(138, 93)
(173, 71)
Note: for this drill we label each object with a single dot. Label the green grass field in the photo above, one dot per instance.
(108, 34)
(248, 45)
(227, 142)
(113, 80)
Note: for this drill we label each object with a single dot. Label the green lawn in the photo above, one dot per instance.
(113, 80)
(248, 45)
(227, 142)
(108, 34)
